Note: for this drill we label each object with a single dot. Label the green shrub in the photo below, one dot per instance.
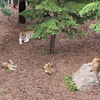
(69, 84)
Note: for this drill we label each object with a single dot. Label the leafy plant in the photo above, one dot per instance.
(69, 84)
(92, 10)
(4, 91)
(45, 52)
(3, 4)
(96, 27)
(7, 70)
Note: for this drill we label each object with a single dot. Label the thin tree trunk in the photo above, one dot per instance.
(52, 43)
(53, 37)
(9, 2)
(22, 7)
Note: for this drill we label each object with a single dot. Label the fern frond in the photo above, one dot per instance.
(51, 24)
(91, 9)
(7, 12)
(27, 13)
(66, 20)
(49, 5)
(71, 32)
(3, 4)
(96, 27)
(73, 6)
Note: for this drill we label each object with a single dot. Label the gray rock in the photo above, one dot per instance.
(84, 79)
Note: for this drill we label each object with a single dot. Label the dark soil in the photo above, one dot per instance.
(29, 81)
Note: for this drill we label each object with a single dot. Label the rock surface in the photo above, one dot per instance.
(84, 79)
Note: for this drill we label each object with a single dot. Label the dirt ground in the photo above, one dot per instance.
(29, 81)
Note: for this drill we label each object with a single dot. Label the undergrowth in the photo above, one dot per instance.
(69, 84)
(4, 91)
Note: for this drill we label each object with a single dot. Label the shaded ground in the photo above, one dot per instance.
(29, 82)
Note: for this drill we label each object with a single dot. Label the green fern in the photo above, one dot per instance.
(96, 27)
(27, 13)
(45, 28)
(91, 9)
(3, 4)
(7, 12)
(69, 84)
(49, 5)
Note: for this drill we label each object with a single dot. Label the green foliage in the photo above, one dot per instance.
(4, 91)
(28, 13)
(61, 17)
(49, 5)
(96, 27)
(91, 9)
(3, 4)
(45, 52)
(76, 8)
(7, 12)
(70, 85)
(50, 16)
(7, 70)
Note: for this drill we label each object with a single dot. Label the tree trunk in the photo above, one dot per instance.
(9, 2)
(22, 7)
(52, 43)
(53, 37)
